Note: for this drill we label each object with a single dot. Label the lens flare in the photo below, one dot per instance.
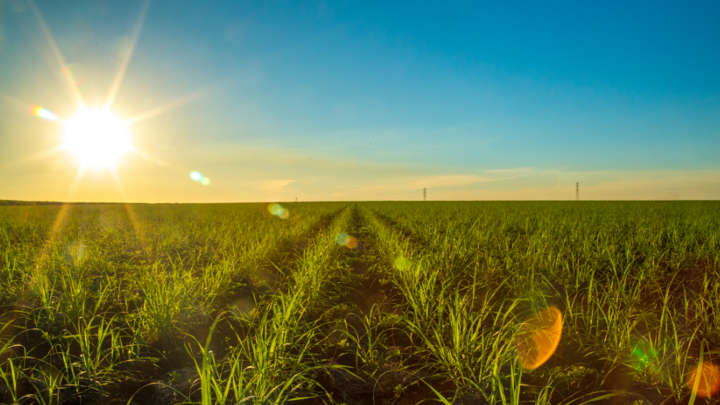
(44, 113)
(706, 377)
(644, 354)
(198, 177)
(538, 338)
(350, 242)
(76, 253)
(278, 211)
(342, 238)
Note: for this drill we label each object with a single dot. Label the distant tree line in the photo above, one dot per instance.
(19, 202)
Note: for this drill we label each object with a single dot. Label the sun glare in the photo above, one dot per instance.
(97, 139)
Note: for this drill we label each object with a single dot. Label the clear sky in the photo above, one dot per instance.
(325, 100)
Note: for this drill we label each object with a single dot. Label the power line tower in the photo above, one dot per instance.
(424, 194)
(577, 191)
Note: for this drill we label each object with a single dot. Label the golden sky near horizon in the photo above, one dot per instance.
(241, 173)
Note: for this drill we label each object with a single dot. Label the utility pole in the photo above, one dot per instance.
(424, 194)
(577, 191)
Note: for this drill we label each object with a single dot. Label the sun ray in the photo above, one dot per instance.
(58, 222)
(154, 112)
(130, 211)
(54, 230)
(64, 70)
(139, 232)
(16, 101)
(122, 69)
(35, 156)
(152, 159)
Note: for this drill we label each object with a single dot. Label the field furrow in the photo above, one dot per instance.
(360, 344)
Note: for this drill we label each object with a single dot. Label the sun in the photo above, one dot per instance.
(97, 139)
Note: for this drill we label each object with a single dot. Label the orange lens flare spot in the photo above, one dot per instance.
(538, 338)
(352, 243)
(706, 377)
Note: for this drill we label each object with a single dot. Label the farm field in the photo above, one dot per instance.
(360, 303)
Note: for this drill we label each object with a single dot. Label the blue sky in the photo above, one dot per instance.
(452, 95)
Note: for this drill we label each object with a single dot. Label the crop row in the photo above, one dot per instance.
(357, 303)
